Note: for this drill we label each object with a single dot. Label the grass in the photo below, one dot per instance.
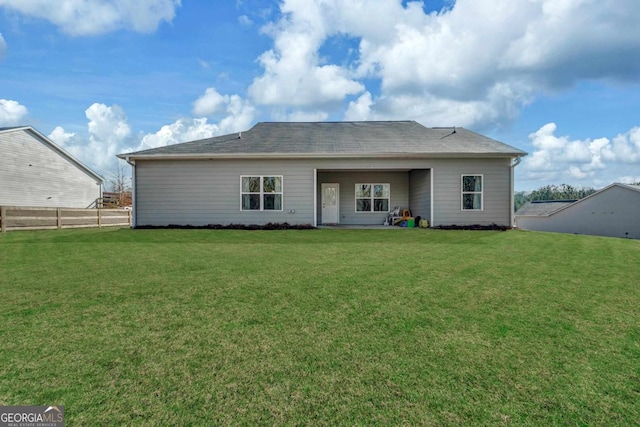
(322, 327)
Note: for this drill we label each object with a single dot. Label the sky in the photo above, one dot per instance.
(559, 79)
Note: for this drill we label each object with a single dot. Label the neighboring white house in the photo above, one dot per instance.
(614, 211)
(327, 173)
(34, 171)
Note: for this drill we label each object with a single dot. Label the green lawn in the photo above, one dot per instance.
(322, 327)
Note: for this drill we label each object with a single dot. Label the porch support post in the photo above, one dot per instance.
(315, 197)
(432, 196)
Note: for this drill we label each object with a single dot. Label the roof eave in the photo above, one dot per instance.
(200, 156)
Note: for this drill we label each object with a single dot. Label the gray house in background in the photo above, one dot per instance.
(36, 172)
(327, 173)
(614, 211)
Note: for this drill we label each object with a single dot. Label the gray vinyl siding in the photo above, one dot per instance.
(448, 192)
(33, 174)
(201, 192)
(420, 193)
(208, 192)
(614, 212)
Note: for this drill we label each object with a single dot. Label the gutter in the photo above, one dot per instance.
(215, 156)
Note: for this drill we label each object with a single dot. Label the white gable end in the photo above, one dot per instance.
(35, 172)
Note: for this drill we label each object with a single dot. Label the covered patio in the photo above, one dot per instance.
(364, 198)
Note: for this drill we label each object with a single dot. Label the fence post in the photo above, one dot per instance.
(129, 215)
(99, 218)
(3, 219)
(59, 218)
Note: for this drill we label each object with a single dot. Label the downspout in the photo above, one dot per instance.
(515, 163)
(133, 191)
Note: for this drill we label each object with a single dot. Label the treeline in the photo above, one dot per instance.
(551, 192)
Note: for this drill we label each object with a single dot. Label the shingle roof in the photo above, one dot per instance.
(542, 207)
(339, 138)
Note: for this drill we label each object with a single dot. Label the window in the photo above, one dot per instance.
(372, 197)
(471, 192)
(261, 193)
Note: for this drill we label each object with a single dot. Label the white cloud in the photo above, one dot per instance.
(568, 40)
(245, 20)
(3, 47)
(626, 147)
(91, 17)
(108, 134)
(107, 124)
(294, 74)
(180, 131)
(556, 157)
(239, 116)
(238, 113)
(476, 63)
(11, 112)
(300, 116)
(628, 179)
(359, 109)
(210, 103)
(61, 137)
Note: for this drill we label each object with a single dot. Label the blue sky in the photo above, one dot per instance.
(559, 79)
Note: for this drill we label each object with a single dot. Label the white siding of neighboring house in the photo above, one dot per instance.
(33, 174)
(613, 212)
(201, 192)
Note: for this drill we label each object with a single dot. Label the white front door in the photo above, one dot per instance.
(330, 203)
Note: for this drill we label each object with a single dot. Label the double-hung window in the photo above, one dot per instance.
(373, 197)
(261, 193)
(472, 188)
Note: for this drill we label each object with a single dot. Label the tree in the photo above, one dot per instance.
(519, 199)
(119, 184)
(119, 180)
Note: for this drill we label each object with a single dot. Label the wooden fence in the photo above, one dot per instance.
(26, 218)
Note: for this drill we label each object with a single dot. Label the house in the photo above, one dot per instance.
(613, 211)
(327, 173)
(36, 172)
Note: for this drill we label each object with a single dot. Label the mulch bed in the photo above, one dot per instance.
(287, 226)
(473, 227)
(269, 226)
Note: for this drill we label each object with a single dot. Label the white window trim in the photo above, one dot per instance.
(355, 198)
(462, 192)
(262, 193)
